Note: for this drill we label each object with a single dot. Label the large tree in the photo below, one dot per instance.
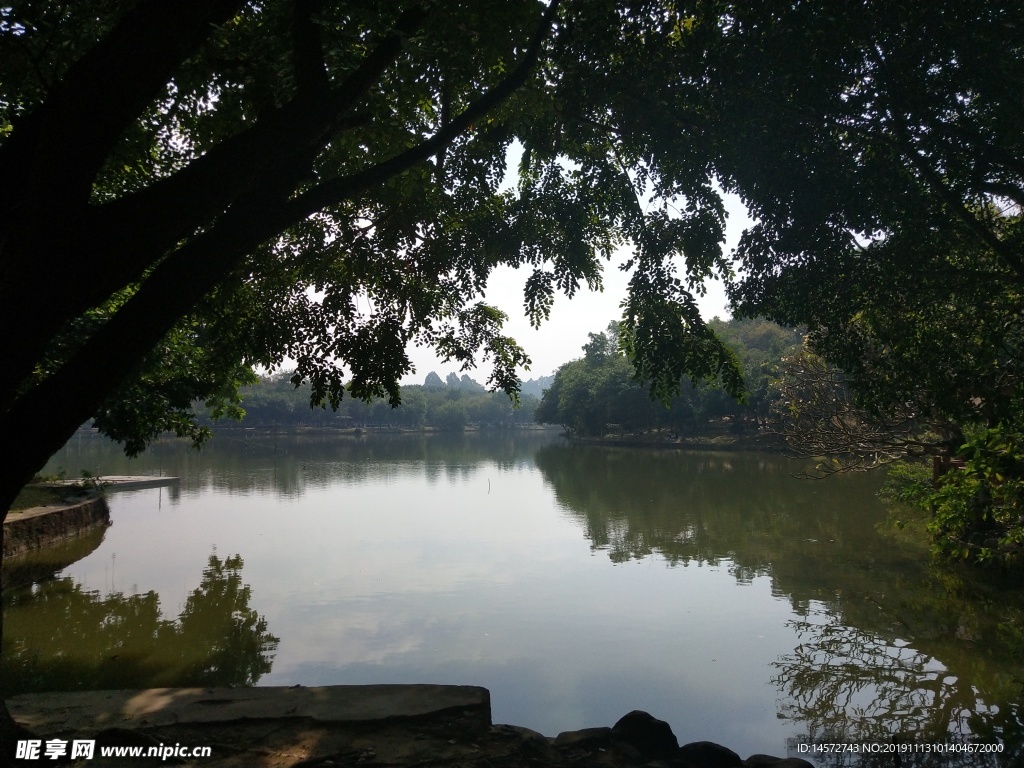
(190, 189)
(886, 176)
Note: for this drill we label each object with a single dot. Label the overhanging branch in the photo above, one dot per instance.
(342, 188)
(294, 134)
(186, 275)
(55, 152)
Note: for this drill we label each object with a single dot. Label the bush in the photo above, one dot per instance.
(976, 512)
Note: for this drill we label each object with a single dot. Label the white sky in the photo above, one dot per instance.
(561, 338)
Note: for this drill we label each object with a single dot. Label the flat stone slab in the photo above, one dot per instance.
(92, 711)
(127, 482)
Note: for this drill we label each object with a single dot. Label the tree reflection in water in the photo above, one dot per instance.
(852, 686)
(891, 645)
(59, 637)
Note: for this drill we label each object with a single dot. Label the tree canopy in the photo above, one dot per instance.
(887, 180)
(888, 187)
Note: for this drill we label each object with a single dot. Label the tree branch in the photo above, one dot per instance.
(818, 419)
(1004, 251)
(308, 50)
(55, 152)
(175, 287)
(292, 134)
(909, 148)
(336, 190)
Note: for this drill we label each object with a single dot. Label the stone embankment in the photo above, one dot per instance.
(399, 726)
(32, 529)
(81, 511)
(41, 564)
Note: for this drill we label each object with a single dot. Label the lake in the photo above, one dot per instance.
(577, 583)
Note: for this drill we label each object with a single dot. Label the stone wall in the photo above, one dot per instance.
(32, 529)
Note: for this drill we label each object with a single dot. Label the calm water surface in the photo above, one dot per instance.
(576, 583)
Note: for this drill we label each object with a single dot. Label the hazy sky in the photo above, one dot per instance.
(562, 336)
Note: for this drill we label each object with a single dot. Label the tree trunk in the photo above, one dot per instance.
(9, 735)
(10, 732)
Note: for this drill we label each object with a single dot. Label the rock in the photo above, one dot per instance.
(707, 754)
(585, 738)
(534, 744)
(767, 761)
(653, 737)
(629, 754)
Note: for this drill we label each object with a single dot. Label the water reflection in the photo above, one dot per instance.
(60, 637)
(38, 565)
(289, 465)
(889, 642)
(850, 685)
(398, 563)
(707, 507)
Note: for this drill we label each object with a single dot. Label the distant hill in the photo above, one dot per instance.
(537, 386)
(453, 404)
(433, 381)
(533, 387)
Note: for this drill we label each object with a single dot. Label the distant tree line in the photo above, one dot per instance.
(599, 392)
(448, 404)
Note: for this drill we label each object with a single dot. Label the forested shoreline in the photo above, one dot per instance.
(599, 394)
(594, 396)
(455, 403)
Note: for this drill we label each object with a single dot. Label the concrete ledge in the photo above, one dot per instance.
(31, 529)
(90, 711)
(127, 482)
